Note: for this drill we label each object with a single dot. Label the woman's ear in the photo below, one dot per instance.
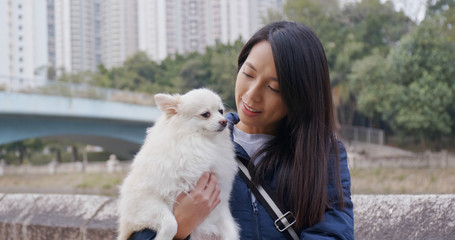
(167, 103)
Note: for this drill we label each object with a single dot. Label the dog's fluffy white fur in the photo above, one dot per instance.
(189, 139)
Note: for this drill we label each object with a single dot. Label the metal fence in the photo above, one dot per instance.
(362, 134)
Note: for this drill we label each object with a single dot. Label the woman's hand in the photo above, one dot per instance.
(192, 208)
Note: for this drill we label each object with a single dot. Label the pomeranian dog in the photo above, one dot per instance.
(190, 138)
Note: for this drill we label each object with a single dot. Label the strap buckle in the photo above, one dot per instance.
(283, 222)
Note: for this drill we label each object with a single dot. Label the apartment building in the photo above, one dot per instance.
(119, 31)
(152, 25)
(23, 42)
(169, 27)
(78, 35)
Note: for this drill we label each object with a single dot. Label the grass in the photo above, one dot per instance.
(403, 181)
(81, 183)
(364, 181)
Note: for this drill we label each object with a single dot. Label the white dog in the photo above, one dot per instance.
(188, 140)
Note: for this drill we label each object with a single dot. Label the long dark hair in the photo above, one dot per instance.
(300, 153)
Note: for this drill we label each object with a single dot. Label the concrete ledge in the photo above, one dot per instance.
(54, 216)
(404, 216)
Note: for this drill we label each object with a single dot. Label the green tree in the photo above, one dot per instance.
(413, 88)
(324, 17)
(349, 34)
(370, 79)
(77, 77)
(138, 73)
(371, 28)
(169, 79)
(102, 77)
(194, 73)
(223, 70)
(376, 24)
(23, 149)
(317, 14)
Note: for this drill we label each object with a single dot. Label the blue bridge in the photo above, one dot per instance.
(117, 127)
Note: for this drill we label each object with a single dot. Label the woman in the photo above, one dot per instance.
(286, 129)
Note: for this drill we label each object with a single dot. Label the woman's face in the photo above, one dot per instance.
(257, 93)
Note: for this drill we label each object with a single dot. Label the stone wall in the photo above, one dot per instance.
(84, 217)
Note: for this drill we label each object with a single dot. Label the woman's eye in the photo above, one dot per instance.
(221, 111)
(274, 89)
(206, 114)
(247, 75)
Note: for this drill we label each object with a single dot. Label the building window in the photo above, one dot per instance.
(193, 24)
(193, 43)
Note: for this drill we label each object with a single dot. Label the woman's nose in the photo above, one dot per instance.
(254, 92)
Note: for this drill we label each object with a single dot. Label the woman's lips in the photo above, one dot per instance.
(249, 110)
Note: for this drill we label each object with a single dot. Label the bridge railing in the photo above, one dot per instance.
(81, 90)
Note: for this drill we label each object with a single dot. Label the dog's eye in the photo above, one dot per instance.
(221, 111)
(206, 114)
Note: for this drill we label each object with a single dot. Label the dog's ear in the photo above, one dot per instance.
(167, 103)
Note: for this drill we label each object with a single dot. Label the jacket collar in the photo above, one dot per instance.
(233, 119)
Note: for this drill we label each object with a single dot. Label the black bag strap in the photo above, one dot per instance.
(283, 219)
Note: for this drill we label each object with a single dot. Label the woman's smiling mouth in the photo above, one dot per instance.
(249, 110)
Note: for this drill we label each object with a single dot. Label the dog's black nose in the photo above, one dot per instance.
(223, 122)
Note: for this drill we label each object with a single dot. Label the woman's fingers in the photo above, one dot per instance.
(207, 191)
(193, 207)
(211, 184)
(203, 181)
(214, 190)
(181, 196)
